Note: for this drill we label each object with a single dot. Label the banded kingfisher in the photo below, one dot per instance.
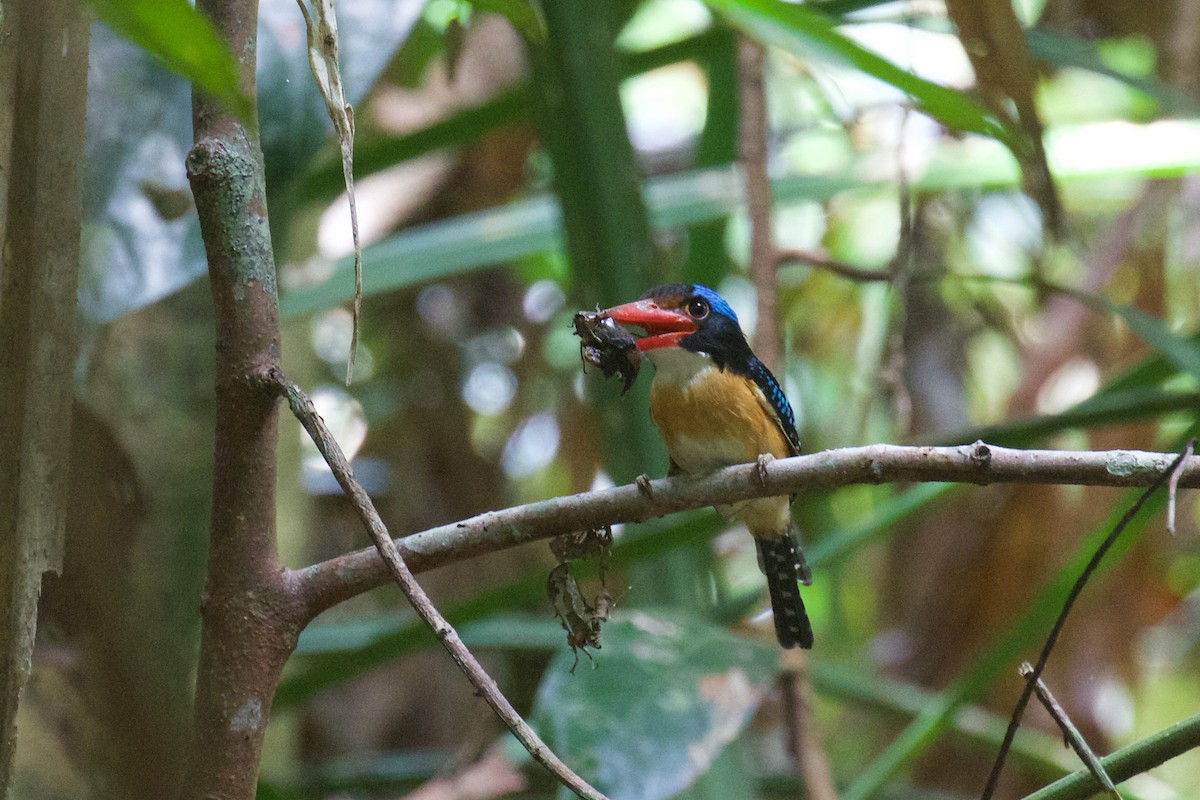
(716, 404)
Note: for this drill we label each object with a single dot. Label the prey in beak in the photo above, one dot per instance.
(664, 327)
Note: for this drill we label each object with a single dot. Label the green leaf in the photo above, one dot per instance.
(805, 32)
(985, 728)
(332, 654)
(667, 695)
(1132, 760)
(596, 177)
(185, 42)
(884, 521)
(1181, 351)
(841, 8)
(323, 179)
(523, 227)
(1133, 395)
(1111, 405)
(439, 249)
(708, 260)
(532, 225)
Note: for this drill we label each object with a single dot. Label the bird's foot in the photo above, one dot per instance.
(763, 460)
(643, 485)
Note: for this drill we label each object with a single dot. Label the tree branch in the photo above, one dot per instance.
(847, 271)
(753, 129)
(43, 74)
(485, 685)
(330, 582)
(250, 620)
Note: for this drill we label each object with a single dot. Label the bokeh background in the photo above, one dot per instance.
(501, 188)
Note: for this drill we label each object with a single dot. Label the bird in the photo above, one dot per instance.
(716, 404)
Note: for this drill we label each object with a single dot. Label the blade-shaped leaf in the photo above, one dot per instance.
(1109, 406)
(981, 726)
(708, 259)
(1182, 351)
(323, 179)
(1129, 761)
(531, 225)
(183, 40)
(805, 32)
(841, 8)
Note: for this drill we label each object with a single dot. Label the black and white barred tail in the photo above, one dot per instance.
(785, 568)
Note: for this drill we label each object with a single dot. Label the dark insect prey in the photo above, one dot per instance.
(605, 344)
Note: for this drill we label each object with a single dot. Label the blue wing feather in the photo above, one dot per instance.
(770, 388)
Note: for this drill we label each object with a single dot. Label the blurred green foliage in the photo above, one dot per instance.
(183, 39)
(508, 196)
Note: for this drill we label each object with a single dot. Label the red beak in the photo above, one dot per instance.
(664, 327)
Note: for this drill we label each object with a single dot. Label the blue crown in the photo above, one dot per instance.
(715, 301)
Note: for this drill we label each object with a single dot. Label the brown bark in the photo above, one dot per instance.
(330, 582)
(43, 75)
(250, 622)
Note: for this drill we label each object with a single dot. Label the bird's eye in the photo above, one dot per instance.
(698, 308)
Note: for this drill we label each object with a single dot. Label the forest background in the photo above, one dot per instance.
(939, 223)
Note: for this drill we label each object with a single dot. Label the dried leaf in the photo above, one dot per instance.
(580, 618)
(323, 59)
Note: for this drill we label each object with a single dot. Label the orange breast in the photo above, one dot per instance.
(718, 419)
(715, 420)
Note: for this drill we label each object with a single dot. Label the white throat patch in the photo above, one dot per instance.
(678, 367)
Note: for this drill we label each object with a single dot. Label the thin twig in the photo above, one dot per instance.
(807, 753)
(330, 582)
(302, 408)
(1133, 760)
(753, 130)
(1071, 735)
(1173, 485)
(847, 271)
(753, 133)
(1072, 596)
